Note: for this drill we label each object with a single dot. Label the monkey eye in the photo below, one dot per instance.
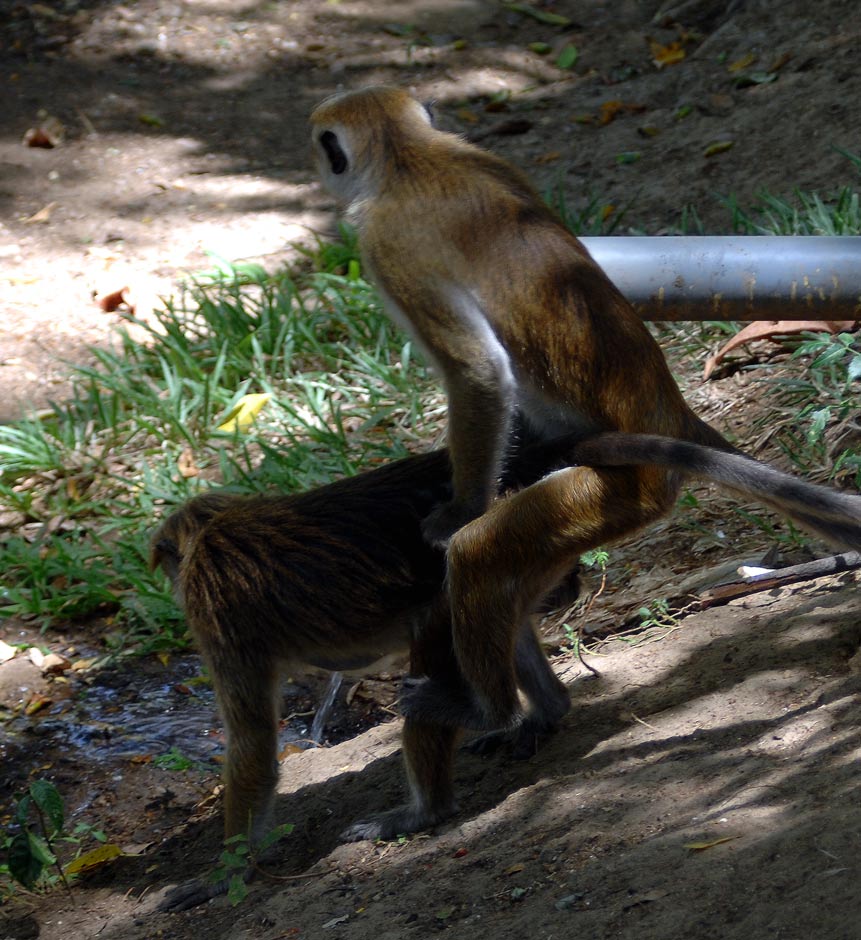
(336, 156)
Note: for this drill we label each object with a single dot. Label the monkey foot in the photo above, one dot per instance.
(400, 821)
(191, 894)
(438, 703)
(523, 742)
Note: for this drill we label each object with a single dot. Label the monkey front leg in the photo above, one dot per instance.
(481, 393)
(429, 757)
(246, 693)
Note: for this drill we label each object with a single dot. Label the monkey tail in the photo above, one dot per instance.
(833, 515)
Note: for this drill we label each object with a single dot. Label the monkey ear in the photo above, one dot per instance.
(165, 553)
(430, 110)
(338, 162)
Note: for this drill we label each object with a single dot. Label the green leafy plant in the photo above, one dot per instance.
(174, 759)
(37, 824)
(237, 858)
(657, 614)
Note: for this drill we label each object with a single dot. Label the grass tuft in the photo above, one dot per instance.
(83, 484)
(140, 434)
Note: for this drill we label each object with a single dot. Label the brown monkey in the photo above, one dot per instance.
(516, 316)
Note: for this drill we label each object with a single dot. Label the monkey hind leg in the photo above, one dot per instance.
(503, 563)
(429, 757)
(547, 697)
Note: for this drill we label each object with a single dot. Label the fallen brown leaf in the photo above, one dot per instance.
(43, 215)
(114, 300)
(772, 330)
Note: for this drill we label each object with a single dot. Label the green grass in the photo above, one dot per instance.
(812, 405)
(140, 434)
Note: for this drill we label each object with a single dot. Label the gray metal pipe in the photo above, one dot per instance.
(751, 277)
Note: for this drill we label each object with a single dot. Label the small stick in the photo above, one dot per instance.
(833, 564)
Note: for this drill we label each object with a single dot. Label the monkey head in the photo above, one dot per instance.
(357, 135)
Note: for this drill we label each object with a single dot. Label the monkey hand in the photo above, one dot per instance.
(441, 524)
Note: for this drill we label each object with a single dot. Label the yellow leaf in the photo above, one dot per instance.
(36, 704)
(241, 416)
(699, 846)
(90, 860)
(666, 55)
(514, 869)
(720, 146)
(81, 665)
(742, 63)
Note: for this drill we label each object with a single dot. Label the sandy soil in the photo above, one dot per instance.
(183, 133)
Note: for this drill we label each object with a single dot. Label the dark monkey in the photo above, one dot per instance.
(337, 578)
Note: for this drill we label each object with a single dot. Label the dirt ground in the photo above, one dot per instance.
(180, 134)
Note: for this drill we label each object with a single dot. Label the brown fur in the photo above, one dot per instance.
(517, 318)
(336, 578)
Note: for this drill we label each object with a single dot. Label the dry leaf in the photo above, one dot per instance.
(773, 330)
(7, 652)
(47, 134)
(186, 465)
(289, 749)
(81, 665)
(514, 869)
(37, 703)
(779, 62)
(742, 63)
(610, 109)
(136, 848)
(53, 664)
(666, 55)
(646, 898)
(113, 301)
(43, 215)
(38, 137)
